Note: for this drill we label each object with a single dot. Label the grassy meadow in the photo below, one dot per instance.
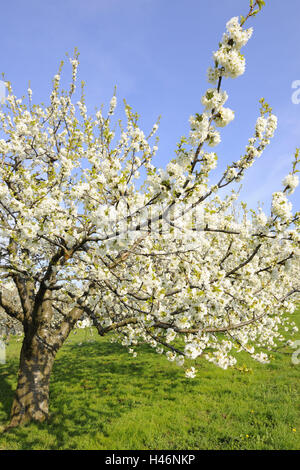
(103, 398)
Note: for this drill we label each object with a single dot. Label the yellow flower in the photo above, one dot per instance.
(294, 430)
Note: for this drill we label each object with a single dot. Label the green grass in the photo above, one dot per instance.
(103, 398)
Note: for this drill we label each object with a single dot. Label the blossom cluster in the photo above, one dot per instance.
(229, 62)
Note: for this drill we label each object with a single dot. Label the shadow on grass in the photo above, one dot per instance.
(8, 373)
(106, 383)
(93, 384)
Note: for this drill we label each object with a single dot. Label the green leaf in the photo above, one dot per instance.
(209, 95)
(260, 4)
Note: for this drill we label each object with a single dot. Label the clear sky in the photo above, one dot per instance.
(157, 52)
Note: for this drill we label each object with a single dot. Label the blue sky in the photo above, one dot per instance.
(157, 52)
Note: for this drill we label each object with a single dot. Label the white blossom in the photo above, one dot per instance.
(291, 181)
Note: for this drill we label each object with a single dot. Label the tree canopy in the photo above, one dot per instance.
(92, 231)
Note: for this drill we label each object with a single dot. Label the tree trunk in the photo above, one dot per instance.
(40, 345)
(31, 401)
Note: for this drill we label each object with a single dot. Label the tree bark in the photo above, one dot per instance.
(31, 401)
(40, 345)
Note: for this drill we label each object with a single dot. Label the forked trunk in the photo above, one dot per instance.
(31, 401)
